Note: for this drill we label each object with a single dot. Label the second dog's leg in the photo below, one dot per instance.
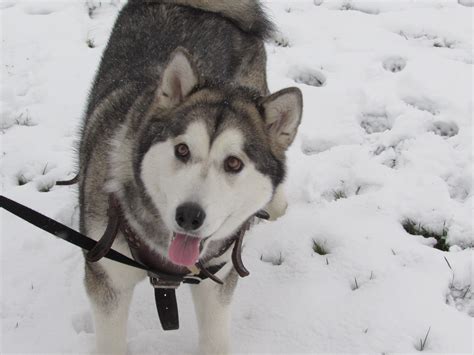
(212, 303)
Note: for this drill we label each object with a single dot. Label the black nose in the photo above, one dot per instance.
(190, 216)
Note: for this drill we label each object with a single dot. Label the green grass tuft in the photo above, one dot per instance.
(90, 43)
(355, 285)
(339, 194)
(414, 228)
(22, 180)
(319, 248)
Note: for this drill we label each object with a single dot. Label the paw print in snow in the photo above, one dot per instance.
(394, 64)
(445, 129)
(311, 77)
(375, 122)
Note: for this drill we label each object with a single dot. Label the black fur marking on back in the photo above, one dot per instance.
(248, 15)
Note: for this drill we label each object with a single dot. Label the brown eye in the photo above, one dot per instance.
(182, 151)
(233, 165)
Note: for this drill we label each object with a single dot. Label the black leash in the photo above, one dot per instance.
(62, 231)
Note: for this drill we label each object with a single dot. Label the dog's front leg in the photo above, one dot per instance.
(212, 303)
(110, 289)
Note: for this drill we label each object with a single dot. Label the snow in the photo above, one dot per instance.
(386, 138)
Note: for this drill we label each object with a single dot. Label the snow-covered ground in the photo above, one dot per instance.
(383, 156)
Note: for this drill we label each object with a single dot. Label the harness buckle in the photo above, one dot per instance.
(156, 282)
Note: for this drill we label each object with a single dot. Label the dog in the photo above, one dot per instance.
(181, 128)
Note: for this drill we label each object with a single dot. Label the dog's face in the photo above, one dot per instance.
(211, 159)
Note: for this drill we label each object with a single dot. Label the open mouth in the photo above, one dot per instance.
(184, 249)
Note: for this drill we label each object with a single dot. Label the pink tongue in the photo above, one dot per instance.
(184, 250)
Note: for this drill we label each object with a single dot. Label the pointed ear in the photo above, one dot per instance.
(282, 112)
(178, 79)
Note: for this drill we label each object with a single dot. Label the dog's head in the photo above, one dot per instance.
(212, 156)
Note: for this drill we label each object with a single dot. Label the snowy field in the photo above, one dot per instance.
(375, 253)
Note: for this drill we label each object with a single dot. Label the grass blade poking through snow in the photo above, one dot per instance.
(422, 345)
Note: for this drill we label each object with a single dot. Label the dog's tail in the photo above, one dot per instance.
(248, 15)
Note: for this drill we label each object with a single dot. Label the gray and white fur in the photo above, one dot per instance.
(189, 72)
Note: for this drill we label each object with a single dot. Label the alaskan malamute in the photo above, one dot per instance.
(181, 128)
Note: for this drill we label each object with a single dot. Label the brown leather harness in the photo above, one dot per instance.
(165, 276)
